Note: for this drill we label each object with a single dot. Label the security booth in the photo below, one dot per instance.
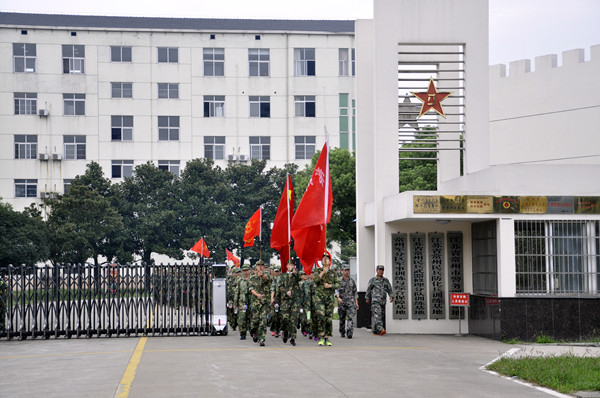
(219, 299)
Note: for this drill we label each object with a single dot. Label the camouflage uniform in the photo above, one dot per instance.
(275, 310)
(261, 284)
(289, 282)
(347, 308)
(241, 304)
(231, 282)
(376, 293)
(324, 301)
(304, 303)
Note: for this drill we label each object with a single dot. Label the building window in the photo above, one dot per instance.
(214, 106)
(24, 57)
(121, 90)
(305, 146)
(168, 54)
(25, 146)
(122, 168)
(214, 62)
(260, 106)
(168, 90)
(120, 54)
(168, 128)
(74, 146)
(67, 185)
(557, 257)
(260, 148)
(353, 62)
(26, 188)
(304, 61)
(214, 147)
(169, 165)
(73, 58)
(121, 128)
(258, 60)
(343, 121)
(344, 62)
(74, 104)
(25, 103)
(304, 105)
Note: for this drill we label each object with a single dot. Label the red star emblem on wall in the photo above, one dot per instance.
(432, 99)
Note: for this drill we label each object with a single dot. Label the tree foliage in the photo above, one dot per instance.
(22, 236)
(418, 169)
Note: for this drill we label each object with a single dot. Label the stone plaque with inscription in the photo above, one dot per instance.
(400, 277)
(426, 204)
(437, 285)
(455, 267)
(453, 204)
(418, 277)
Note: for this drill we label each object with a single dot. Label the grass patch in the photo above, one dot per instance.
(544, 339)
(564, 373)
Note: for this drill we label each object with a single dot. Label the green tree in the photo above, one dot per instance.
(23, 236)
(418, 168)
(148, 202)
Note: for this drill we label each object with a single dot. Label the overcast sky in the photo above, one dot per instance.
(519, 29)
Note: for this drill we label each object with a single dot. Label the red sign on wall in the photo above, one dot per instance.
(459, 299)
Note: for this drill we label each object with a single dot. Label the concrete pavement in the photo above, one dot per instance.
(224, 366)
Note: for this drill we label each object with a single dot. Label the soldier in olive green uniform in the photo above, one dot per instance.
(326, 283)
(260, 287)
(347, 298)
(288, 293)
(241, 301)
(377, 289)
(304, 303)
(231, 282)
(274, 310)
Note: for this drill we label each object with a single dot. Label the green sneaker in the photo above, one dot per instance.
(327, 343)
(321, 342)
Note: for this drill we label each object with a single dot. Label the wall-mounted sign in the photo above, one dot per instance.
(533, 204)
(506, 204)
(560, 205)
(426, 204)
(453, 204)
(480, 204)
(587, 205)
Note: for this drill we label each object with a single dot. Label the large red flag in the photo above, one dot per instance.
(253, 228)
(201, 248)
(281, 232)
(314, 212)
(232, 257)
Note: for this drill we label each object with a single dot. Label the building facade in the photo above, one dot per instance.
(515, 219)
(124, 91)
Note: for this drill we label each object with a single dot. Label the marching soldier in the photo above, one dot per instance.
(260, 287)
(304, 303)
(241, 301)
(325, 286)
(275, 303)
(232, 279)
(347, 297)
(378, 287)
(288, 289)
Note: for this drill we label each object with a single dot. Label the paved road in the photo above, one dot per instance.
(224, 366)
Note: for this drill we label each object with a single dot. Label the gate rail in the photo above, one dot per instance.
(111, 300)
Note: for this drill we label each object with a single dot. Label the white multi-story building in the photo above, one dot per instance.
(122, 91)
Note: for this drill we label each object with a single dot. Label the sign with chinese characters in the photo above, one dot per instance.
(459, 299)
(480, 204)
(587, 205)
(506, 204)
(560, 205)
(453, 204)
(533, 204)
(426, 204)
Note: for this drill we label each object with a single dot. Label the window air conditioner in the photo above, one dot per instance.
(43, 156)
(43, 112)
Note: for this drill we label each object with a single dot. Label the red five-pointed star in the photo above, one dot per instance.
(432, 99)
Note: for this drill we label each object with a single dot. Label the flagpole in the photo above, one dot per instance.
(260, 233)
(289, 219)
(326, 207)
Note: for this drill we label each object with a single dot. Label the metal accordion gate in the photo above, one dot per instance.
(108, 300)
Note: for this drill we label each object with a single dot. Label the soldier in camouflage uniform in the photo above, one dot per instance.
(378, 287)
(304, 303)
(231, 282)
(241, 301)
(288, 295)
(275, 311)
(325, 285)
(260, 287)
(347, 297)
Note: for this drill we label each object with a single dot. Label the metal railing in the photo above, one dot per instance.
(110, 300)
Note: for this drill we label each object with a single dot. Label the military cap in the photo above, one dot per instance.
(380, 267)
(302, 272)
(245, 267)
(345, 267)
(236, 270)
(259, 262)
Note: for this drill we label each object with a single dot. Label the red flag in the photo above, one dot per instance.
(201, 248)
(253, 228)
(281, 232)
(233, 258)
(313, 213)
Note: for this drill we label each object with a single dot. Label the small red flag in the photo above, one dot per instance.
(232, 257)
(253, 228)
(201, 248)
(313, 213)
(281, 232)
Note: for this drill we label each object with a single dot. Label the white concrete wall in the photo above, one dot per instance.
(145, 72)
